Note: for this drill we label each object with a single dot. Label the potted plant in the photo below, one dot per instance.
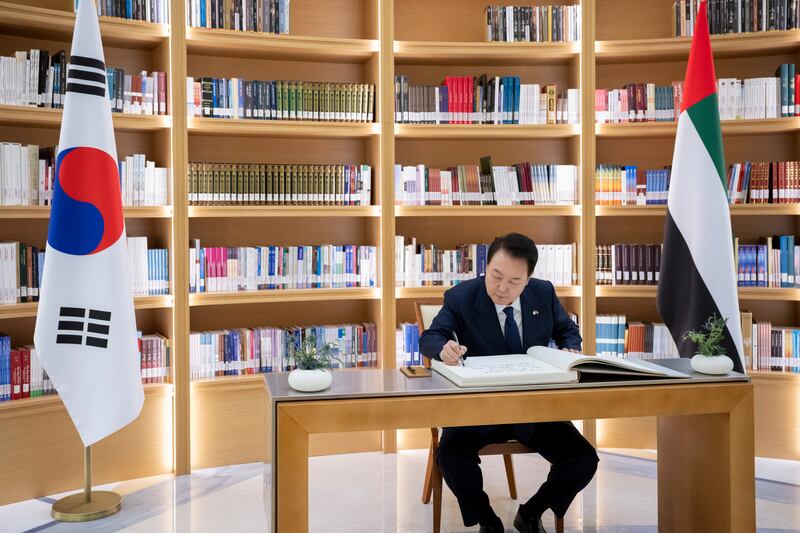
(710, 357)
(312, 364)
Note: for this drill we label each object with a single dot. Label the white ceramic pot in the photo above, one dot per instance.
(309, 380)
(715, 364)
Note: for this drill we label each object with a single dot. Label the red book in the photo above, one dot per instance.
(16, 374)
(26, 371)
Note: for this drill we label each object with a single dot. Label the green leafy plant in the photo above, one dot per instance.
(708, 339)
(308, 356)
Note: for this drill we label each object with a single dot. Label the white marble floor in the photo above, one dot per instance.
(373, 492)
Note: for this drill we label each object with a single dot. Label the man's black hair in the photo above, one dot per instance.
(516, 245)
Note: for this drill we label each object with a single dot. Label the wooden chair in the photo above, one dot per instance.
(432, 485)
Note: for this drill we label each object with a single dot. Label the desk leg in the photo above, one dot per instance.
(291, 467)
(706, 472)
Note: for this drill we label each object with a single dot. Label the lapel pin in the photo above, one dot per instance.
(535, 312)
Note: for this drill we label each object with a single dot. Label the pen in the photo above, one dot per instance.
(461, 359)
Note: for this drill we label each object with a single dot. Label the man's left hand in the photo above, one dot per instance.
(571, 350)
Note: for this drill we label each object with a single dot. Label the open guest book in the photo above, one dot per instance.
(546, 365)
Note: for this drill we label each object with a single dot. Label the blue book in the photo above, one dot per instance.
(790, 282)
(784, 241)
(443, 105)
(415, 355)
(240, 90)
(516, 99)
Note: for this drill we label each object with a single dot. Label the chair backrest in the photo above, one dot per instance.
(425, 314)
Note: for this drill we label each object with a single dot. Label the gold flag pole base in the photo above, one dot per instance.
(87, 505)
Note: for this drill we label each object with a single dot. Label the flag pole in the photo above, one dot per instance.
(88, 505)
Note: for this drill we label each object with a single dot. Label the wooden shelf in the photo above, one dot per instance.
(488, 211)
(284, 295)
(57, 25)
(39, 116)
(772, 126)
(27, 212)
(738, 45)
(745, 293)
(30, 406)
(281, 128)
(247, 381)
(486, 131)
(417, 293)
(228, 43)
(29, 309)
(772, 377)
(267, 211)
(661, 210)
(463, 53)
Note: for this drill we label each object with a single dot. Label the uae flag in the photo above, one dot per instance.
(698, 277)
(86, 327)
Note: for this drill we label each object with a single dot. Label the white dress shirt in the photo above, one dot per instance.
(501, 316)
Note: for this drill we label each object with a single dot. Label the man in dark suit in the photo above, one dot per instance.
(505, 312)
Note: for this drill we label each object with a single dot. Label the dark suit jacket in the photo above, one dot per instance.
(470, 312)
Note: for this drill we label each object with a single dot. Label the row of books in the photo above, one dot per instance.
(35, 78)
(251, 268)
(629, 185)
(267, 16)
(484, 100)
(776, 182)
(775, 263)
(149, 267)
(627, 264)
(142, 183)
(421, 265)
(154, 357)
(737, 16)
(23, 376)
(768, 347)
(156, 11)
(280, 100)
(615, 337)
(752, 98)
(233, 352)
(519, 184)
(21, 267)
(27, 174)
(279, 184)
(533, 23)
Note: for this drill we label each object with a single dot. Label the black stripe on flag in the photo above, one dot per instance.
(97, 328)
(679, 276)
(94, 314)
(70, 325)
(86, 89)
(69, 339)
(75, 74)
(72, 311)
(97, 343)
(84, 61)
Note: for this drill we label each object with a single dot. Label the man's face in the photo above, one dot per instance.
(506, 277)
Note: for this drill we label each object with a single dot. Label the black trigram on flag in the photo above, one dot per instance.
(75, 328)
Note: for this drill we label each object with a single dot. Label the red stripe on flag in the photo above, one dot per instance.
(701, 81)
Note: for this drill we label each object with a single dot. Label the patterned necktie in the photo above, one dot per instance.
(513, 342)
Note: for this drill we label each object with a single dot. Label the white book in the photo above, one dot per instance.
(544, 365)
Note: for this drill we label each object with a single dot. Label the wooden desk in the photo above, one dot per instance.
(706, 473)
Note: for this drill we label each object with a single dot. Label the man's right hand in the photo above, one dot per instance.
(451, 353)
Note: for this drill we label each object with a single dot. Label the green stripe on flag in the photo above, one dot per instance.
(705, 118)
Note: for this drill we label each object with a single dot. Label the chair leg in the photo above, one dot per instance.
(559, 524)
(426, 486)
(512, 486)
(436, 481)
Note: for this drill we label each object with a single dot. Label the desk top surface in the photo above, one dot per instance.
(374, 383)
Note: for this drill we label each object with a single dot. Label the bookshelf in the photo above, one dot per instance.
(186, 425)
